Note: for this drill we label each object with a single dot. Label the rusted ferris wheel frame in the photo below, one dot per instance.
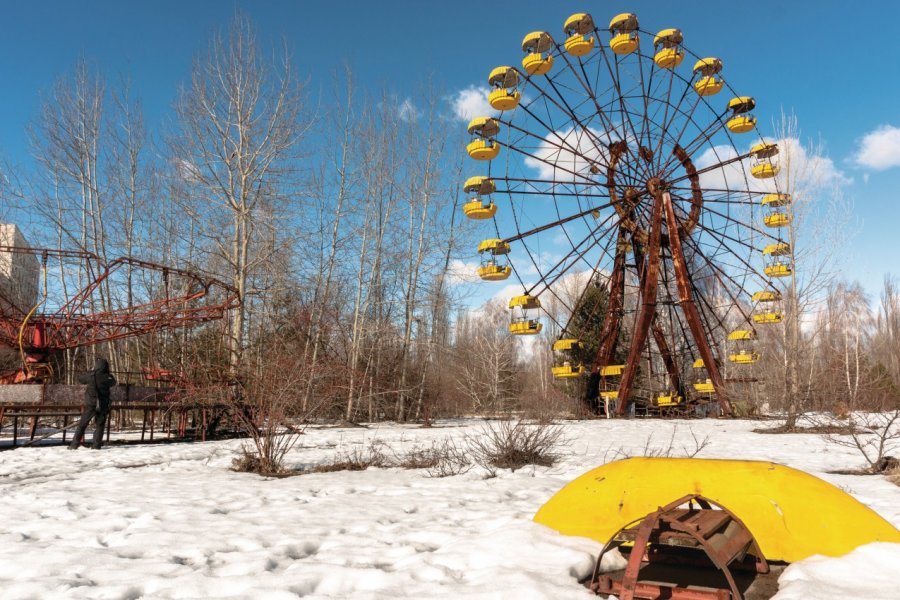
(73, 325)
(655, 189)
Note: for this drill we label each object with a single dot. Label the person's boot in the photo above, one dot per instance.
(74, 446)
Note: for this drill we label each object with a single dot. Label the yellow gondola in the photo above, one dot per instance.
(483, 146)
(763, 167)
(708, 84)
(577, 27)
(743, 357)
(781, 269)
(476, 207)
(504, 96)
(563, 350)
(665, 400)
(767, 309)
(669, 54)
(742, 340)
(742, 335)
(566, 344)
(741, 120)
(523, 322)
(625, 38)
(490, 269)
(775, 217)
(565, 370)
(612, 370)
(705, 387)
(766, 296)
(537, 46)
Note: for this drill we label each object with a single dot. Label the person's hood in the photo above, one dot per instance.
(101, 365)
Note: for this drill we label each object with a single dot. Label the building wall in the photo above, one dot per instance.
(19, 273)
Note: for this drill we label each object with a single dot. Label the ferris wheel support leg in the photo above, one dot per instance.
(667, 357)
(609, 334)
(690, 309)
(648, 307)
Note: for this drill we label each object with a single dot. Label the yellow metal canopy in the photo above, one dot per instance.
(623, 22)
(741, 334)
(708, 66)
(669, 37)
(792, 514)
(776, 200)
(581, 23)
(779, 249)
(494, 246)
(566, 344)
(537, 41)
(741, 104)
(766, 296)
(484, 126)
(505, 77)
(764, 150)
(526, 302)
(479, 184)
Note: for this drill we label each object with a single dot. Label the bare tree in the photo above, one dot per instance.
(240, 123)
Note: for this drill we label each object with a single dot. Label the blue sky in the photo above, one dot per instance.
(811, 57)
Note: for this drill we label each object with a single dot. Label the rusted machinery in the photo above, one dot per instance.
(704, 529)
(56, 300)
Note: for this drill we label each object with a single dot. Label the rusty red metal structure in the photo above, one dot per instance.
(686, 532)
(94, 313)
(622, 168)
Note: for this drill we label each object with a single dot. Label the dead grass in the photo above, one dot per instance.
(513, 445)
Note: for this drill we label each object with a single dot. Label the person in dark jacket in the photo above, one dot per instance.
(96, 403)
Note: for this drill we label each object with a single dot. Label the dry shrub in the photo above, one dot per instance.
(442, 459)
(509, 445)
(894, 475)
(668, 450)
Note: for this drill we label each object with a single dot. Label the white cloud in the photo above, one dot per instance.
(460, 272)
(804, 168)
(472, 102)
(562, 153)
(879, 149)
(408, 111)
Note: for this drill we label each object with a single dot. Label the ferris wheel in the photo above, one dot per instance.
(622, 155)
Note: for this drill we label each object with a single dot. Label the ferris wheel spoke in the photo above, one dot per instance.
(719, 273)
(576, 251)
(724, 240)
(741, 224)
(525, 234)
(600, 111)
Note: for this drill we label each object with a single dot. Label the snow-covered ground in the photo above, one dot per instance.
(173, 521)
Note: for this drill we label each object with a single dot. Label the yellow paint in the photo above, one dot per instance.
(525, 301)
(764, 170)
(537, 63)
(766, 296)
(579, 45)
(479, 184)
(792, 514)
(624, 43)
(483, 149)
(567, 371)
(528, 327)
(566, 344)
(709, 86)
(668, 58)
(768, 317)
(494, 272)
(494, 246)
(501, 99)
(612, 370)
(777, 219)
(476, 209)
(741, 123)
(778, 270)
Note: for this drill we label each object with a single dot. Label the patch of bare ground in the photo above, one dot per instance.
(887, 466)
(814, 429)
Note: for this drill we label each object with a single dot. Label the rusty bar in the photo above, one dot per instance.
(682, 279)
(648, 307)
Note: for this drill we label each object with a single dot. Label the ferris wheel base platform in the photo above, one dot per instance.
(791, 514)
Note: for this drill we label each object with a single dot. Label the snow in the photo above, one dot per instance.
(173, 521)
